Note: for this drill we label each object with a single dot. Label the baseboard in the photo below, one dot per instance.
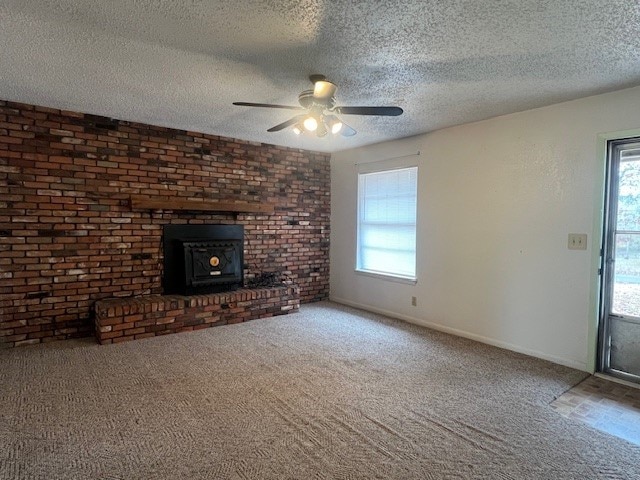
(461, 333)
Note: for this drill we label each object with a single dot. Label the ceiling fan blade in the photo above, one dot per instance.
(383, 111)
(266, 105)
(288, 123)
(347, 131)
(324, 90)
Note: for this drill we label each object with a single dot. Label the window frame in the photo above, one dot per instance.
(391, 276)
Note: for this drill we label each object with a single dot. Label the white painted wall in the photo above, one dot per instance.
(497, 199)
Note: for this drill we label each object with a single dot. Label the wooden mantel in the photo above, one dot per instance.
(200, 205)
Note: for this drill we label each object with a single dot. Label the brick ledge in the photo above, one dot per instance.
(122, 319)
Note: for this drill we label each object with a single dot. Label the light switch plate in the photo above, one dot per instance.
(577, 241)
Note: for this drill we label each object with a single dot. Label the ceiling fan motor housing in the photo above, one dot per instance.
(307, 100)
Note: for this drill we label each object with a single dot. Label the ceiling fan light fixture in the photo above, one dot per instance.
(322, 129)
(324, 90)
(334, 124)
(297, 130)
(310, 124)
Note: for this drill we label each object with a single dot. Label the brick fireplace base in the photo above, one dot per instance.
(122, 319)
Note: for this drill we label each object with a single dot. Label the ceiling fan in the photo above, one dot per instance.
(321, 111)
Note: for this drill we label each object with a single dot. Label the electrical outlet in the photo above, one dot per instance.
(414, 301)
(577, 241)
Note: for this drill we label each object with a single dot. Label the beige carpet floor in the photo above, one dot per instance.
(330, 392)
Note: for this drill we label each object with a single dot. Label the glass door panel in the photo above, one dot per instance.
(620, 320)
(626, 286)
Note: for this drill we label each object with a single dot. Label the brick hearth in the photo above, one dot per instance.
(123, 319)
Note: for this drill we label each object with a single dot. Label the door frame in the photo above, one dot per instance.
(597, 234)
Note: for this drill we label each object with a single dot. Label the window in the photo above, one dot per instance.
(387, 204)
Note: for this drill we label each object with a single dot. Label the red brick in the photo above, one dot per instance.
(134, 331)
(108, 335)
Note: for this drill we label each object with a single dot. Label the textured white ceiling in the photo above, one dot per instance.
(182, 63)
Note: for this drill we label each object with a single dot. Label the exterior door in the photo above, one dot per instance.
(619, 334)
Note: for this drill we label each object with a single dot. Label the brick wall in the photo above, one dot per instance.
(68, 236)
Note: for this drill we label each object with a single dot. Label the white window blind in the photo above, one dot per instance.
(387, 204)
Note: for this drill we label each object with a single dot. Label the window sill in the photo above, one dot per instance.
(388, 277)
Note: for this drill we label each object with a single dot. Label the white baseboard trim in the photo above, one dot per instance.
(461, 333)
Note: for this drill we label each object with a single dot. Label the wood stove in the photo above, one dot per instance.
(202, 259)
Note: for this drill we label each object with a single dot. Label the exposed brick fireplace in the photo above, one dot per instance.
(69, 236)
